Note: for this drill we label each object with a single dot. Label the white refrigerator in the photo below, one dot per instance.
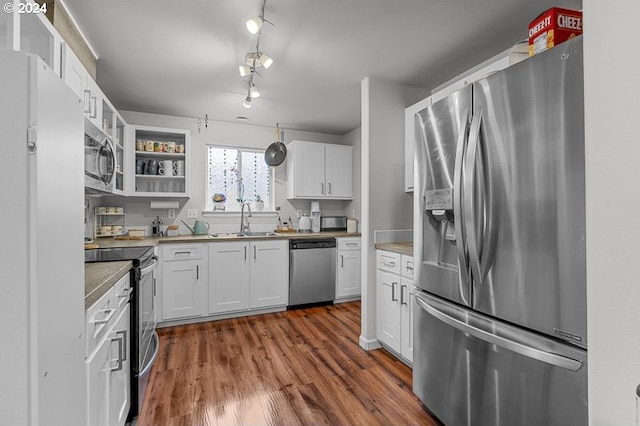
(41, 251)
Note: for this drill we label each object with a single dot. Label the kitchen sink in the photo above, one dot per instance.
(259, 234)
(243, 234)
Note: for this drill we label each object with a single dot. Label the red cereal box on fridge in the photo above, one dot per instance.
(553, 27)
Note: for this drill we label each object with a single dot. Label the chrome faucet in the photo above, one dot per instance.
(244, 223)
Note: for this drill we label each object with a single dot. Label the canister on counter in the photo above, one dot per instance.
(352, 226)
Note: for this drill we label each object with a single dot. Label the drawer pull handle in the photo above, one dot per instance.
(181, 252)
(102, 323)
(393, 292)
(391, 264)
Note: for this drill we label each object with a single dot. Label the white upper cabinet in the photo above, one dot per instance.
(77, 77)
(319, 171)
(410, 138)
(307, 165)
(74, 74)
(339, 171)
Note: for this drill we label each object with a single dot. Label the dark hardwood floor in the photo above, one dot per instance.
(300, 367)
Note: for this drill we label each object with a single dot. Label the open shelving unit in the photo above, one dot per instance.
(157, 185)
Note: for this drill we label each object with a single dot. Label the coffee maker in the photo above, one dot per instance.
(315, 216)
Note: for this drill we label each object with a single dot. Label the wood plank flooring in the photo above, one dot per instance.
(300, 367)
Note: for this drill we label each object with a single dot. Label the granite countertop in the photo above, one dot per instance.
(402, 248)
(156, 240)
(99, 277)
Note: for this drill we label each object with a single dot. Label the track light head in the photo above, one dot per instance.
(245, 70)
(247, 102)
(254, 92)
(255, 24)
(265, 60)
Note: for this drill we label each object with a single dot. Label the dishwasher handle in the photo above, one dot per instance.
(312, 244)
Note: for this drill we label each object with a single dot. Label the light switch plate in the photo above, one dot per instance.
(171, 214)
(192, 213)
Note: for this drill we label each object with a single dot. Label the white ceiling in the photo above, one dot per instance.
(181, 57)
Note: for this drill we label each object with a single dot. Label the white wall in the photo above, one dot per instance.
(230, 134)
(385, 205)
(612, 90)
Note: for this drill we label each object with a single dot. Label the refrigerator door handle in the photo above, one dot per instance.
(490, 337)
(458, 207)
(469, 199)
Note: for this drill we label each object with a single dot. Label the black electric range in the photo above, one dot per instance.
(135, 254)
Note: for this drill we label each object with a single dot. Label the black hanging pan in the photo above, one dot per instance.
(276, 153)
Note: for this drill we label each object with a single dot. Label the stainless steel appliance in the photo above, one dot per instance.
(99, 159)
(144, 339)
(312, 271)
(500, 315)
(333, 223)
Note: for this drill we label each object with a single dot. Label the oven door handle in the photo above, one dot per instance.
(151, 267)
(145, 369)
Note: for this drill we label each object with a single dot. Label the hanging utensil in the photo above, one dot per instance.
(277, 151)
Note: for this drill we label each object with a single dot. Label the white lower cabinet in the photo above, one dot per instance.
(201, 280)
(407, 300)
(248, 275)
(108, 364)
(348, 282)
(388, 309)
(98, 374)
(184, 272)
(228, 277)
(269, 273)
(394, 302)
(119, 389)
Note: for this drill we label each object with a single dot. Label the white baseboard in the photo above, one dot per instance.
(369, 344)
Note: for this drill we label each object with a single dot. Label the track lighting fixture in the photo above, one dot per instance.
(256, 59)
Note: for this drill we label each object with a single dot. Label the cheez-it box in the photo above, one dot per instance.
(553, 27)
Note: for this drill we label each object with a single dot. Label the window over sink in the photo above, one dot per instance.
(237, 175)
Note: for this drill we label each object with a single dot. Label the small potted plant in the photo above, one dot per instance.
(259, 203)
(218, 201)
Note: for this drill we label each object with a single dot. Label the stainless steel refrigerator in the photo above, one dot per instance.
(500, 316)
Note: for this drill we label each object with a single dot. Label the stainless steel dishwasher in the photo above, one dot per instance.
(312, 271)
